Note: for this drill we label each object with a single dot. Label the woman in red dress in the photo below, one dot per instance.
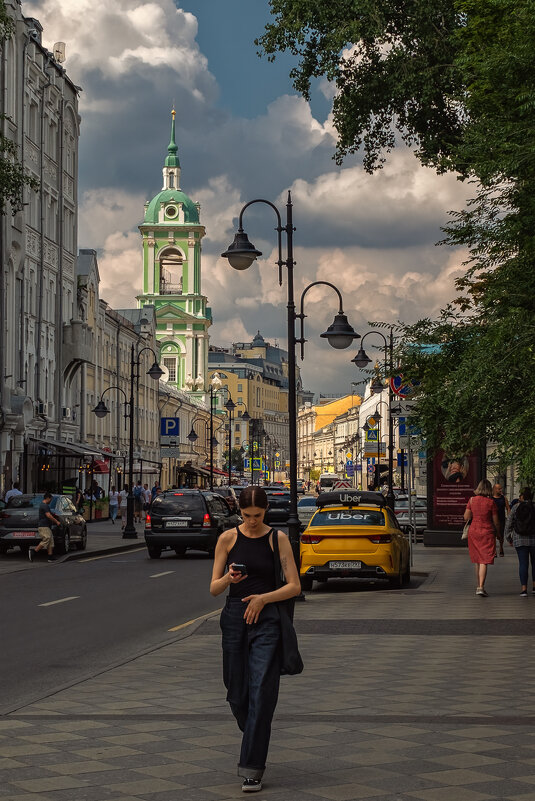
(483, 513)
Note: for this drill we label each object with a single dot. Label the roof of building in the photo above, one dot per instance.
(86, 262)
(191, 212)
(169, 194)
(172, 159)
(258, 341)
(138, 316)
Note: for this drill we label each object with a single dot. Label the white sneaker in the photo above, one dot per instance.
(251, 786)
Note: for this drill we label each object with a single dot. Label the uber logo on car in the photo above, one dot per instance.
(345, 516)
(350, 498)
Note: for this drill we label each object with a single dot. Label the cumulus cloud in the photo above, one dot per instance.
(126, 36)
(373, 236)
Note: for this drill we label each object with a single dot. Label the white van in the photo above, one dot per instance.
(327, 480)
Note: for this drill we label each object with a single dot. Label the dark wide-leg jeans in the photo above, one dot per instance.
(251, 673)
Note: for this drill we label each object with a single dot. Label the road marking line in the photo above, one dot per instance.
(195, 619)
(107, 556)
(157, 575)
(61, 600)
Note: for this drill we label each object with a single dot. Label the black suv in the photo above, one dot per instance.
(181, 519)
(278, 510)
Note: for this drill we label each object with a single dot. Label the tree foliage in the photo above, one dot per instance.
(393, 63)
(13, 179)
(236, 458)
(455, 78)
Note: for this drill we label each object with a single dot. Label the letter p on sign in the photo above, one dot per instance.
(169, 426)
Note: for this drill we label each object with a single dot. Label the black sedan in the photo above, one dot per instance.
(20, 516)
(278, 510)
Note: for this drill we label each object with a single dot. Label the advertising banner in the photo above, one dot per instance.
(453, 482)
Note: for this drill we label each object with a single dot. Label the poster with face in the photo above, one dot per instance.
(454, 479)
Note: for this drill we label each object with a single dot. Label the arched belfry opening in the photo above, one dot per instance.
(171, 272)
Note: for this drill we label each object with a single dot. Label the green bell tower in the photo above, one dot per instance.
(172, 234)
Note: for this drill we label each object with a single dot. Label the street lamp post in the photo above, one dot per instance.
(101, 410)
(230, 406)
(241, 254)
(215, 386)
(208, 434)
(363, 360)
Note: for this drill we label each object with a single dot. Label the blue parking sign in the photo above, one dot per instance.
(169, 426)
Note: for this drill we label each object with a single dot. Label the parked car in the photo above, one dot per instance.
(278, 510)
(354, 535)
(20, 516)
(182, 519)
(306, 507)
(229, 494)
(301, 486)
(419, 512)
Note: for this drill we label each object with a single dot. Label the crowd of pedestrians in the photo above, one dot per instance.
(492, 521)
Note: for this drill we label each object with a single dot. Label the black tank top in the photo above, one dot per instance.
(256, 554)
(500, 503)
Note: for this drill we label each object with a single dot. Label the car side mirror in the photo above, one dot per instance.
(407, 530)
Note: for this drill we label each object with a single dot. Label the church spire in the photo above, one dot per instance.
(171, 170)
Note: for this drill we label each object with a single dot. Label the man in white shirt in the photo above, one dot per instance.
(147, 495)
(12, 492)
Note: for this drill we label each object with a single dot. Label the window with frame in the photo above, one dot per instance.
(170, 364)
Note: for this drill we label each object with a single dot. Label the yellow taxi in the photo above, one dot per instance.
(354, 535)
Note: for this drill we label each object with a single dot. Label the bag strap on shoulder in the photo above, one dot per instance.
(276, 559)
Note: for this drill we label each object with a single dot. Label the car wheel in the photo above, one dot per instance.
(180, 550)
(154, 551)
(65, 543)
(407, 574)
(81, 546)
(4, 548)
(306, 583)
(24, 549)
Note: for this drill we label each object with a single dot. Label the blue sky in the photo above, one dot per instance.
(227, 30)
(243, 133)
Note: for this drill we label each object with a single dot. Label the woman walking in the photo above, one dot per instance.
(520, 532)
(114, 504)
(483, 514)
(250, 624)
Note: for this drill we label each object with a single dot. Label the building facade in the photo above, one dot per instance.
(42, 346)
(324, 431)
(255, 374)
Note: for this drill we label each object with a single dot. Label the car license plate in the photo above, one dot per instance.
(24, 534)
(173, 523)
(345, 565)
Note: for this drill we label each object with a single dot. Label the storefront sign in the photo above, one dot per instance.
(453, 482)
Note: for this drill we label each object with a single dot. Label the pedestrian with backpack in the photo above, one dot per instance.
(520, 533)
(139, 499)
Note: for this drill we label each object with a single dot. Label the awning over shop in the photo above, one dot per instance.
(101, 466)
(70, 448)
(148, 467)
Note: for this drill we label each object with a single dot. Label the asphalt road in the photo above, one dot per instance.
(75, 619)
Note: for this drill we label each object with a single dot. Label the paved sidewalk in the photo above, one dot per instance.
(424, 693)
(102, 537)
